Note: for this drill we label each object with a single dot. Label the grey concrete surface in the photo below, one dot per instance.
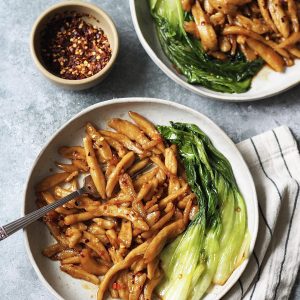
(32, 109)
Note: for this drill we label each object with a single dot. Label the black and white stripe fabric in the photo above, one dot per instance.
(274, 161)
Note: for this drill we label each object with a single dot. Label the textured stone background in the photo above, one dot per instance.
(32, 109)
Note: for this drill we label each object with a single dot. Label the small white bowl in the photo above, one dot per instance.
(37, 236)
(99, 18)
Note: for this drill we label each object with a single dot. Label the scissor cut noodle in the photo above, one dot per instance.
(142, 206)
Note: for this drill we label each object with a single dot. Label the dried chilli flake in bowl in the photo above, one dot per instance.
(73, 49)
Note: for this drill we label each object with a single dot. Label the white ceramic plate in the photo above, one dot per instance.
(160, 112)
(265, 84)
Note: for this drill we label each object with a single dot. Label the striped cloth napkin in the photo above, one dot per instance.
(274, 161)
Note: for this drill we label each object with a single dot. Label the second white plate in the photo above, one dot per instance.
(265, 84)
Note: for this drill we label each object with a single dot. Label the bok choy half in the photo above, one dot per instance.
(189, 58)
(217, 240)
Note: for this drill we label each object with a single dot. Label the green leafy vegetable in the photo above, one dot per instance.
(217, 240)
(189, 58)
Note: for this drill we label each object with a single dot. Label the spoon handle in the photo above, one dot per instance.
(20, 223)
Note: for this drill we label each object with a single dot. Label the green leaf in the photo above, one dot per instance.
(189, 58)
(217, 240)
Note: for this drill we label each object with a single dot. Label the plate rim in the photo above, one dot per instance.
(139, 100)
(192, 88)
